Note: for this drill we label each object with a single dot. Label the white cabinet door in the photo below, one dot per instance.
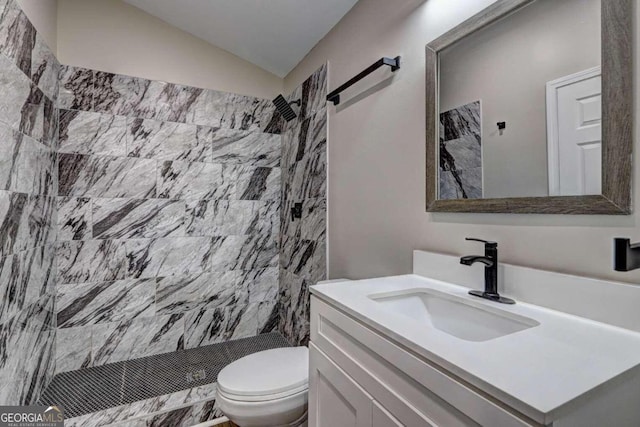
(382, 418)
(334, 398)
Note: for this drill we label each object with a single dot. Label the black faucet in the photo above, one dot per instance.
(490, 261)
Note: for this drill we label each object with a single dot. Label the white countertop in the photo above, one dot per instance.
(540, 371)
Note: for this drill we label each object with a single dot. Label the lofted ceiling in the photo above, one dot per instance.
(272, 34)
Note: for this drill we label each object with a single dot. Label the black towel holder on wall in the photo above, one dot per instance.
(394, 63)
(626, 256)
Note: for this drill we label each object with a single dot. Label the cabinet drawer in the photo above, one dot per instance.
(425, 389)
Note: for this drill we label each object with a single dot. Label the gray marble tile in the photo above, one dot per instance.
(84, 132)
(30, 332)
(75, 88)
(17, 36)
(91, 261)
(461, 184)
(462, 121)
(224, 252)
(182, 417)
(305, 258)
(247, 148)
(305, 159)
(265, 220)
(206, 411)
(25, 221)
(137, 218)
(258, 183)
(113, 342)
(461, 154)
(312, 225)
(450, 186)
(24, 278)
(198, 397)
(243, 320)
(262, 284)
(204, 327)
(107, 417)
(50, 123)
(37, 168)
(169, 256)
(11, 149)
(26, 165)
(268, 316)
(45, 68)
(169, 402)
(169, 141)
(313, 93)
(103, 302)
(257, 251)
(179, 294)
(36, 115)
(294, 308)
(229, 111)
(302, 241)
(304, 136)
(128, 96)
(179, 180)
(74, 218)
(73, 349)
(106, 176)
(16, 104)
(219, 217)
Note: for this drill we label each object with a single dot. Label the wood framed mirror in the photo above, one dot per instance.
(529, 109)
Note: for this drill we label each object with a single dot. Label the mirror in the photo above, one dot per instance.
(521, 116)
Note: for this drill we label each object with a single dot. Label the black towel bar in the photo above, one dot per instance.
(394, 63)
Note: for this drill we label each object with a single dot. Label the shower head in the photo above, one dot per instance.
(284, 107)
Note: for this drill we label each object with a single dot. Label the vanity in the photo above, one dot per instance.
(418, 350)
(528, 111)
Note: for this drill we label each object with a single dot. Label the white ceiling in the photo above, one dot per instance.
(272, 34)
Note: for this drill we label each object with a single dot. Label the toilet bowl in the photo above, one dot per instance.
(266, 389)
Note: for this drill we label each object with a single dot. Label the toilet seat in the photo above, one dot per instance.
(267, 375)
(269, 388)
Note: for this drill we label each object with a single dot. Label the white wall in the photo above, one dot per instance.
(43, 16)
(507, 66)
(110, 35)
(377, 160)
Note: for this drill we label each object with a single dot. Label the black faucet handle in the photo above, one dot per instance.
(488, 243)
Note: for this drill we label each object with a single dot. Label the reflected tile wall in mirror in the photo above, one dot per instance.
(461, 152)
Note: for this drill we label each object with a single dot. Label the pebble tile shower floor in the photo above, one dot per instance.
(94, 389)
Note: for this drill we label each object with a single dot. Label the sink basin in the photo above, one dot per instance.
(461, 318)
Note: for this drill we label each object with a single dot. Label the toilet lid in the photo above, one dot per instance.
(267, 373)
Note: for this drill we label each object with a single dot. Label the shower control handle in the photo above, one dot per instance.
(296, 211)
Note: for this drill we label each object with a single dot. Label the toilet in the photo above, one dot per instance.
(266, 389)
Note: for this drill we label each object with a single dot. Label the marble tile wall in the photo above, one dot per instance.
(168, 217)
(140, 217)
(183, 408)
(304, 180)
(28, 187)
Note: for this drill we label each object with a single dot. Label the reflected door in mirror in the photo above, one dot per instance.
(494, 109)
(574, 116)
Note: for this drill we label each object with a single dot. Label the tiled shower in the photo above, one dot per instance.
(141, 217)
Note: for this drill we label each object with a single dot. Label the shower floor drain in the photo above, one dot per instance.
(95, 389)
